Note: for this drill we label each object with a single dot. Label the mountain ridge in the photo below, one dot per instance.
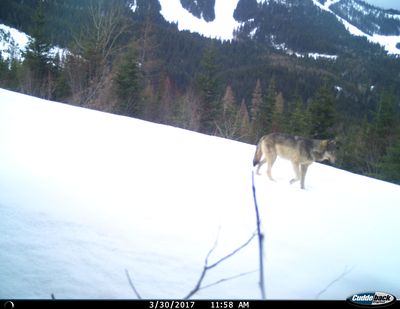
(358, 17)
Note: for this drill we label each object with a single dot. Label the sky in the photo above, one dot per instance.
(386, 4)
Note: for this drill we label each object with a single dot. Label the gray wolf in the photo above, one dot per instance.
(299, 150)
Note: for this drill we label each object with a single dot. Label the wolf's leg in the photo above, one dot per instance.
(262, 162)
(296, 168)
(303, 168)
(271, 160)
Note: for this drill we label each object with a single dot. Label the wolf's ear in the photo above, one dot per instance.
(324, 143)
(336, 141)
(333, 143)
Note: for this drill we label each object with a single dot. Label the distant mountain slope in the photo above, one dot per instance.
(361, 19)
(200, 8)
(296, 23)
(317, 26)
(367, 18)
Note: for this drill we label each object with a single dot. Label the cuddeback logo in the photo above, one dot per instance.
(372, 299)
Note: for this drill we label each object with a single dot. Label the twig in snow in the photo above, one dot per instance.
(260, 239)
(208, 267)
(132, 285)
(345, 272)
(227, 279)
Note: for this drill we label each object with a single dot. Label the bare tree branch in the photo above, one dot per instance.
(96, 46)
(345, 272)
(227, 279)
(233, 252)
(132, 285)
(208, 267)
(260, 240)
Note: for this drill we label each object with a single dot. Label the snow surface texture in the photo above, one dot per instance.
(85, 195)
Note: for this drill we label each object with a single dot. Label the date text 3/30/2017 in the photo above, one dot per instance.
(215, 304)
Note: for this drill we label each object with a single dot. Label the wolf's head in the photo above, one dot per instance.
(329, 150)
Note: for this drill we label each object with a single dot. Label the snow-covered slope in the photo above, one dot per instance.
(13, 43)
(221, 27)
(85, 195)
(389, 42)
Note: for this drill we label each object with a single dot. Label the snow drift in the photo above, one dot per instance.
(85, 195)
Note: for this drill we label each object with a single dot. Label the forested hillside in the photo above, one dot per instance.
(123, 57)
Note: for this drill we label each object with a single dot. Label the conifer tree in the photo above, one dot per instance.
(255, 112)
(37, 54)
(390, 165)
(262, 109)
(256, 101)
(128, 85)
(229, 125)
(3, 71)
(38, 77)
(269, 104)
(298, 118)
(151, 106)
(322, 114)
(385, 120)
(244, 122)
(382, 136)
(278, 123)
(167, 101)
(207, 88)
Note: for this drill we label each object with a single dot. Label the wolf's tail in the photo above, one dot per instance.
(257, 155)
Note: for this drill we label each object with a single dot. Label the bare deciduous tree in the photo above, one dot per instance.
(89, 66)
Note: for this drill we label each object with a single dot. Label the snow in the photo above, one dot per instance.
(85, 195)
(283, 47)
(394, 16)
(133, 7)
(325, 56)
(16, 42)
(224, 24)
(388, 42)
(253, 32)
(221, 28)
(328, 3)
